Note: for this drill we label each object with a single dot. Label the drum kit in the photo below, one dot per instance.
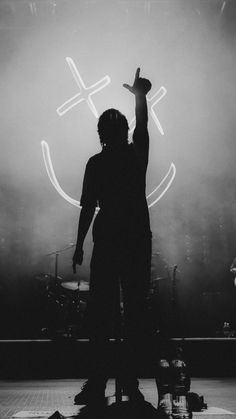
(65, 303)
(66, 300)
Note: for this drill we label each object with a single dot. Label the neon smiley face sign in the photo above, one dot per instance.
(84, 95)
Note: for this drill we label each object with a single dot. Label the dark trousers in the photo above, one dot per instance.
(114, 265)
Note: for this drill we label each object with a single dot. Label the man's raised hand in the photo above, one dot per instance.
(140, 85)
(132, 88)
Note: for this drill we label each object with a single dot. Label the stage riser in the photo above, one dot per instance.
(70, 359)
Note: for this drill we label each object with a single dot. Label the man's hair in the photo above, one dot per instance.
(113, 128)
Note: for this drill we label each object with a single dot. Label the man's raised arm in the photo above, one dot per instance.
(140, 89)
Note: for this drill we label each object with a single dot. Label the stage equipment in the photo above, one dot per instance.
(233, 267)
(180, 386)
(227, 331)
(85, 95)
(180, 376)
(163, 382)
(173, 384)
(66, 309)
(83, 286)
(233, 270)
(180, 407)
(64, 297)
(196, 403)
(47, 278)
(72, 286)
(154, 284)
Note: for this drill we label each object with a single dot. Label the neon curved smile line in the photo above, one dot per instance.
(55, 183)
(170, 177)
(85, 95)
(171, 169)
(85, 92)
(52, 176)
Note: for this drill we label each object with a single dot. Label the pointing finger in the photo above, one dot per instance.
(137, 73)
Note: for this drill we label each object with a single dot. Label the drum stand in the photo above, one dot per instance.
(57, 253)
(120, 400)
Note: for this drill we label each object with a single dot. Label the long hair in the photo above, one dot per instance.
(113, 128)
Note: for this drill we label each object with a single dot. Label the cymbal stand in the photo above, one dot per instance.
(57, 253)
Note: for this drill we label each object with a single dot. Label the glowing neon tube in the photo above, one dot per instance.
(52, 176)
(85, 92)
(167, 181)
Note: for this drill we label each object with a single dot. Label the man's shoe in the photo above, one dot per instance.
(91, 392)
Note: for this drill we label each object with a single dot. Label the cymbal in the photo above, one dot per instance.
(84, 286)
(72, 286)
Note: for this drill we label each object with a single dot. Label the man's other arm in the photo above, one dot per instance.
(88, 203)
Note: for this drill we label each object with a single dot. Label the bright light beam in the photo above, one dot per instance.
(85, 92)
(169, 177)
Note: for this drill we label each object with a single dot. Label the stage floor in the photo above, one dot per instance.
(52, 395)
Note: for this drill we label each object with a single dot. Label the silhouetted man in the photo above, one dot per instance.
(115, 180)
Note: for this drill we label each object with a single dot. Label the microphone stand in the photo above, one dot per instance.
(175, 319)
